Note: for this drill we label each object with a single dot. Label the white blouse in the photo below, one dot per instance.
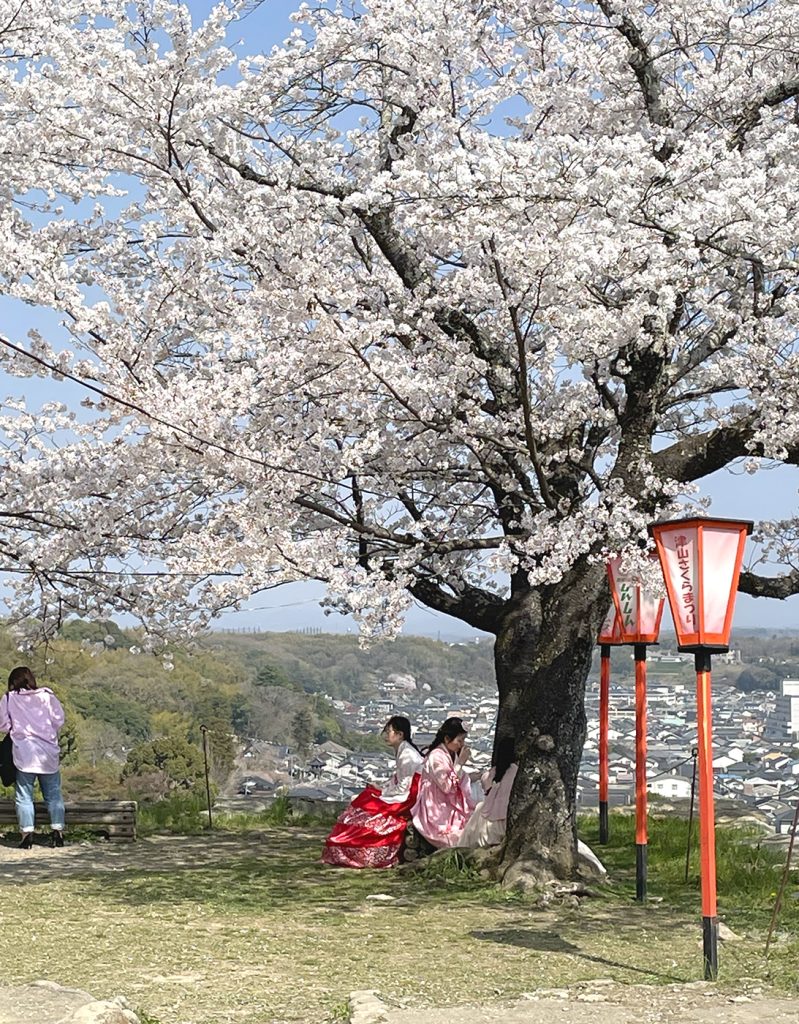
(409, 761)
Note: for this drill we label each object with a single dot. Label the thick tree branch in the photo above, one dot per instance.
(642, 63)
(700, 454)
(392, 130)
(363, 546)
(394, 247)
(769, 586)
(478, 608)
(750, 116)
(643, 384)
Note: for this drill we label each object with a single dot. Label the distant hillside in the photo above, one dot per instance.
(334, 664)
(133, 712)
(766, 657)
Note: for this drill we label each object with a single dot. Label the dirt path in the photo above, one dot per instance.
(602, 1001)
(163, 853)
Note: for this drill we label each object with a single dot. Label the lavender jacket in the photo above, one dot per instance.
(33, 717)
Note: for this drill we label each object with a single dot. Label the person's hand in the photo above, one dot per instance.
(464, 755)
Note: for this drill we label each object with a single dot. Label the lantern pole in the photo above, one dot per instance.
(609, 636)
(639, 614)
(707, 823)
(604, 716)
(701, 561)
(640, 773)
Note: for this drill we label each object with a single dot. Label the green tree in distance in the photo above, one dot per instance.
(302, 729)
(270, 674)
(178, 760)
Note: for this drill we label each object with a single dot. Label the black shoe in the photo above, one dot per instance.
(56, 838)
(27, 841)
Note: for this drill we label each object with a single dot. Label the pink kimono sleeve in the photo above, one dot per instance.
(442, 772)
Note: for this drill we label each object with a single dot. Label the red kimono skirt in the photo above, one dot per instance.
(370, 833)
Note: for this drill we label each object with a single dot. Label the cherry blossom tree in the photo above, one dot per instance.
(441, 301)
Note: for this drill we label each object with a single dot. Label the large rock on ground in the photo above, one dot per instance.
(44, 1002)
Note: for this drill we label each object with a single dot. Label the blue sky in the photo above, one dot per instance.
(770, 494)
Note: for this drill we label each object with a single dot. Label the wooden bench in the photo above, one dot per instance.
(115, 818)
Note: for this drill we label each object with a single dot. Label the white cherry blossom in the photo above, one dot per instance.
(439, 300)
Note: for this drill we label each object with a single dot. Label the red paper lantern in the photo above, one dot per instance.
(701, 562)
(610, 630)
(639, 612)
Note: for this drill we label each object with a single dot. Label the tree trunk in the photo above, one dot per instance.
(543, 651)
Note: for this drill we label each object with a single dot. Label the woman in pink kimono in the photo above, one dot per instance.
(486, 827)
(444, 803)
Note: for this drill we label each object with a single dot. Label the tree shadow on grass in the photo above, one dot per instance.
(262, 886)
(621, 916)
(551, 942)
(87, 861)
(255, 873)
(250, 886)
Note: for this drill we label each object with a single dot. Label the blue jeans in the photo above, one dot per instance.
(51, 791)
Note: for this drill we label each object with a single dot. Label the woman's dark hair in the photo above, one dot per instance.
(504, 756)
(400, 724)
(450, 730)
(21, 678)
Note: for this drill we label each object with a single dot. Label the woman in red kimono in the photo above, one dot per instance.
(370, 833)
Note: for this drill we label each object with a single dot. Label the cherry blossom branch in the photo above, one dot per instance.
(751, 115)
(438, 547)
(153, 417)
(522, 378)
(642, 62)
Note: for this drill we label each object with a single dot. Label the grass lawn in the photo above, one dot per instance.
(247, 926)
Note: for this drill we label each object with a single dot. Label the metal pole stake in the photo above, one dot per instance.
(641, 839)
(784, 879)
(690, 817)
(204, 731)
(707, 823)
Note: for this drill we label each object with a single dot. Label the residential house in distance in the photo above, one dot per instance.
(782, 725)
(672, 787)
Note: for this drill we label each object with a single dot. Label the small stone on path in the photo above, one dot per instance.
(45, 1002)
(366, 1008)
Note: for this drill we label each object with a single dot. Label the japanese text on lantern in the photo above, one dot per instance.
(687, 584)
(627, 593)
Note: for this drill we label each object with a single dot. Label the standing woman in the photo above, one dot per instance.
(33, 715)
(445, 801)
(371, 832)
